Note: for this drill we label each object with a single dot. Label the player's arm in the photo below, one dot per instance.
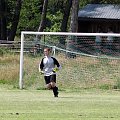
(41, 66)
(57, 64)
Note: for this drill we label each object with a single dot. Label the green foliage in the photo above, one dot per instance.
(3, 51)
(105, 87)
(30, 15)
(82, 3)
(2, 81)
(111, 1)
(54, 22)
(10, 12)
(117, 86)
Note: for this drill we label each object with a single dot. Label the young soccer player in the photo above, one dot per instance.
(48, 67)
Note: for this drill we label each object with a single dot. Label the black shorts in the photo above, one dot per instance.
(51, 78)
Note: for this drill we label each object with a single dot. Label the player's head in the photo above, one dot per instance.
(47, 51)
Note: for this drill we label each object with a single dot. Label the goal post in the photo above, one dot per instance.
(21, 61)
(75, 46)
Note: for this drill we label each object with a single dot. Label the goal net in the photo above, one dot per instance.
(87, 59)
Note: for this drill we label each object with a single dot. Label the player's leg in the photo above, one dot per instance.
(53, 84)
(47, 81)
(48, 86)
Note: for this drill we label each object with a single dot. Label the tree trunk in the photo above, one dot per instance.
(74, 16)
(71, 40)
(43, 16)
(66, 13)
(3, 28)
(15, 20)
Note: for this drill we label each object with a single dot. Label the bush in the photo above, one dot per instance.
(3, 51)
(105, 86)
(117, 86)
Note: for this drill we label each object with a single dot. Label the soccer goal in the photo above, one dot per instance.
(88, 59)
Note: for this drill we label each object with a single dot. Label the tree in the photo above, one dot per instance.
(32, 14)
(74, 16)
(105, 1)
(73, 26)
(31, 11)
(15, 20)
(66, 14)
(43, 17)
(3, 26)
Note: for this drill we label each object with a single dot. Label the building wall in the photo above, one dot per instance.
(91, 26)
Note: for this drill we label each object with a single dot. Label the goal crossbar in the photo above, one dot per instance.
(69, 33)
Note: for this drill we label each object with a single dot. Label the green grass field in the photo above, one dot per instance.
(70, 105)
(89, 90)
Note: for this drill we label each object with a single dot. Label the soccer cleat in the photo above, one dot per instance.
(56, 95)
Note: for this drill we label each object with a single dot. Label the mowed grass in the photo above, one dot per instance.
(70, 105)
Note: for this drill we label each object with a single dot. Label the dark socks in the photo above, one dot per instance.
(55, 91)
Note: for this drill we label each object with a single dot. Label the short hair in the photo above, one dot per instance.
(48, 49)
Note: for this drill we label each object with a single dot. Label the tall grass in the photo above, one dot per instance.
(9, 69)
(81, 72)
(89, 72)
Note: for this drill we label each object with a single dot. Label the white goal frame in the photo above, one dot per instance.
(23, 33)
